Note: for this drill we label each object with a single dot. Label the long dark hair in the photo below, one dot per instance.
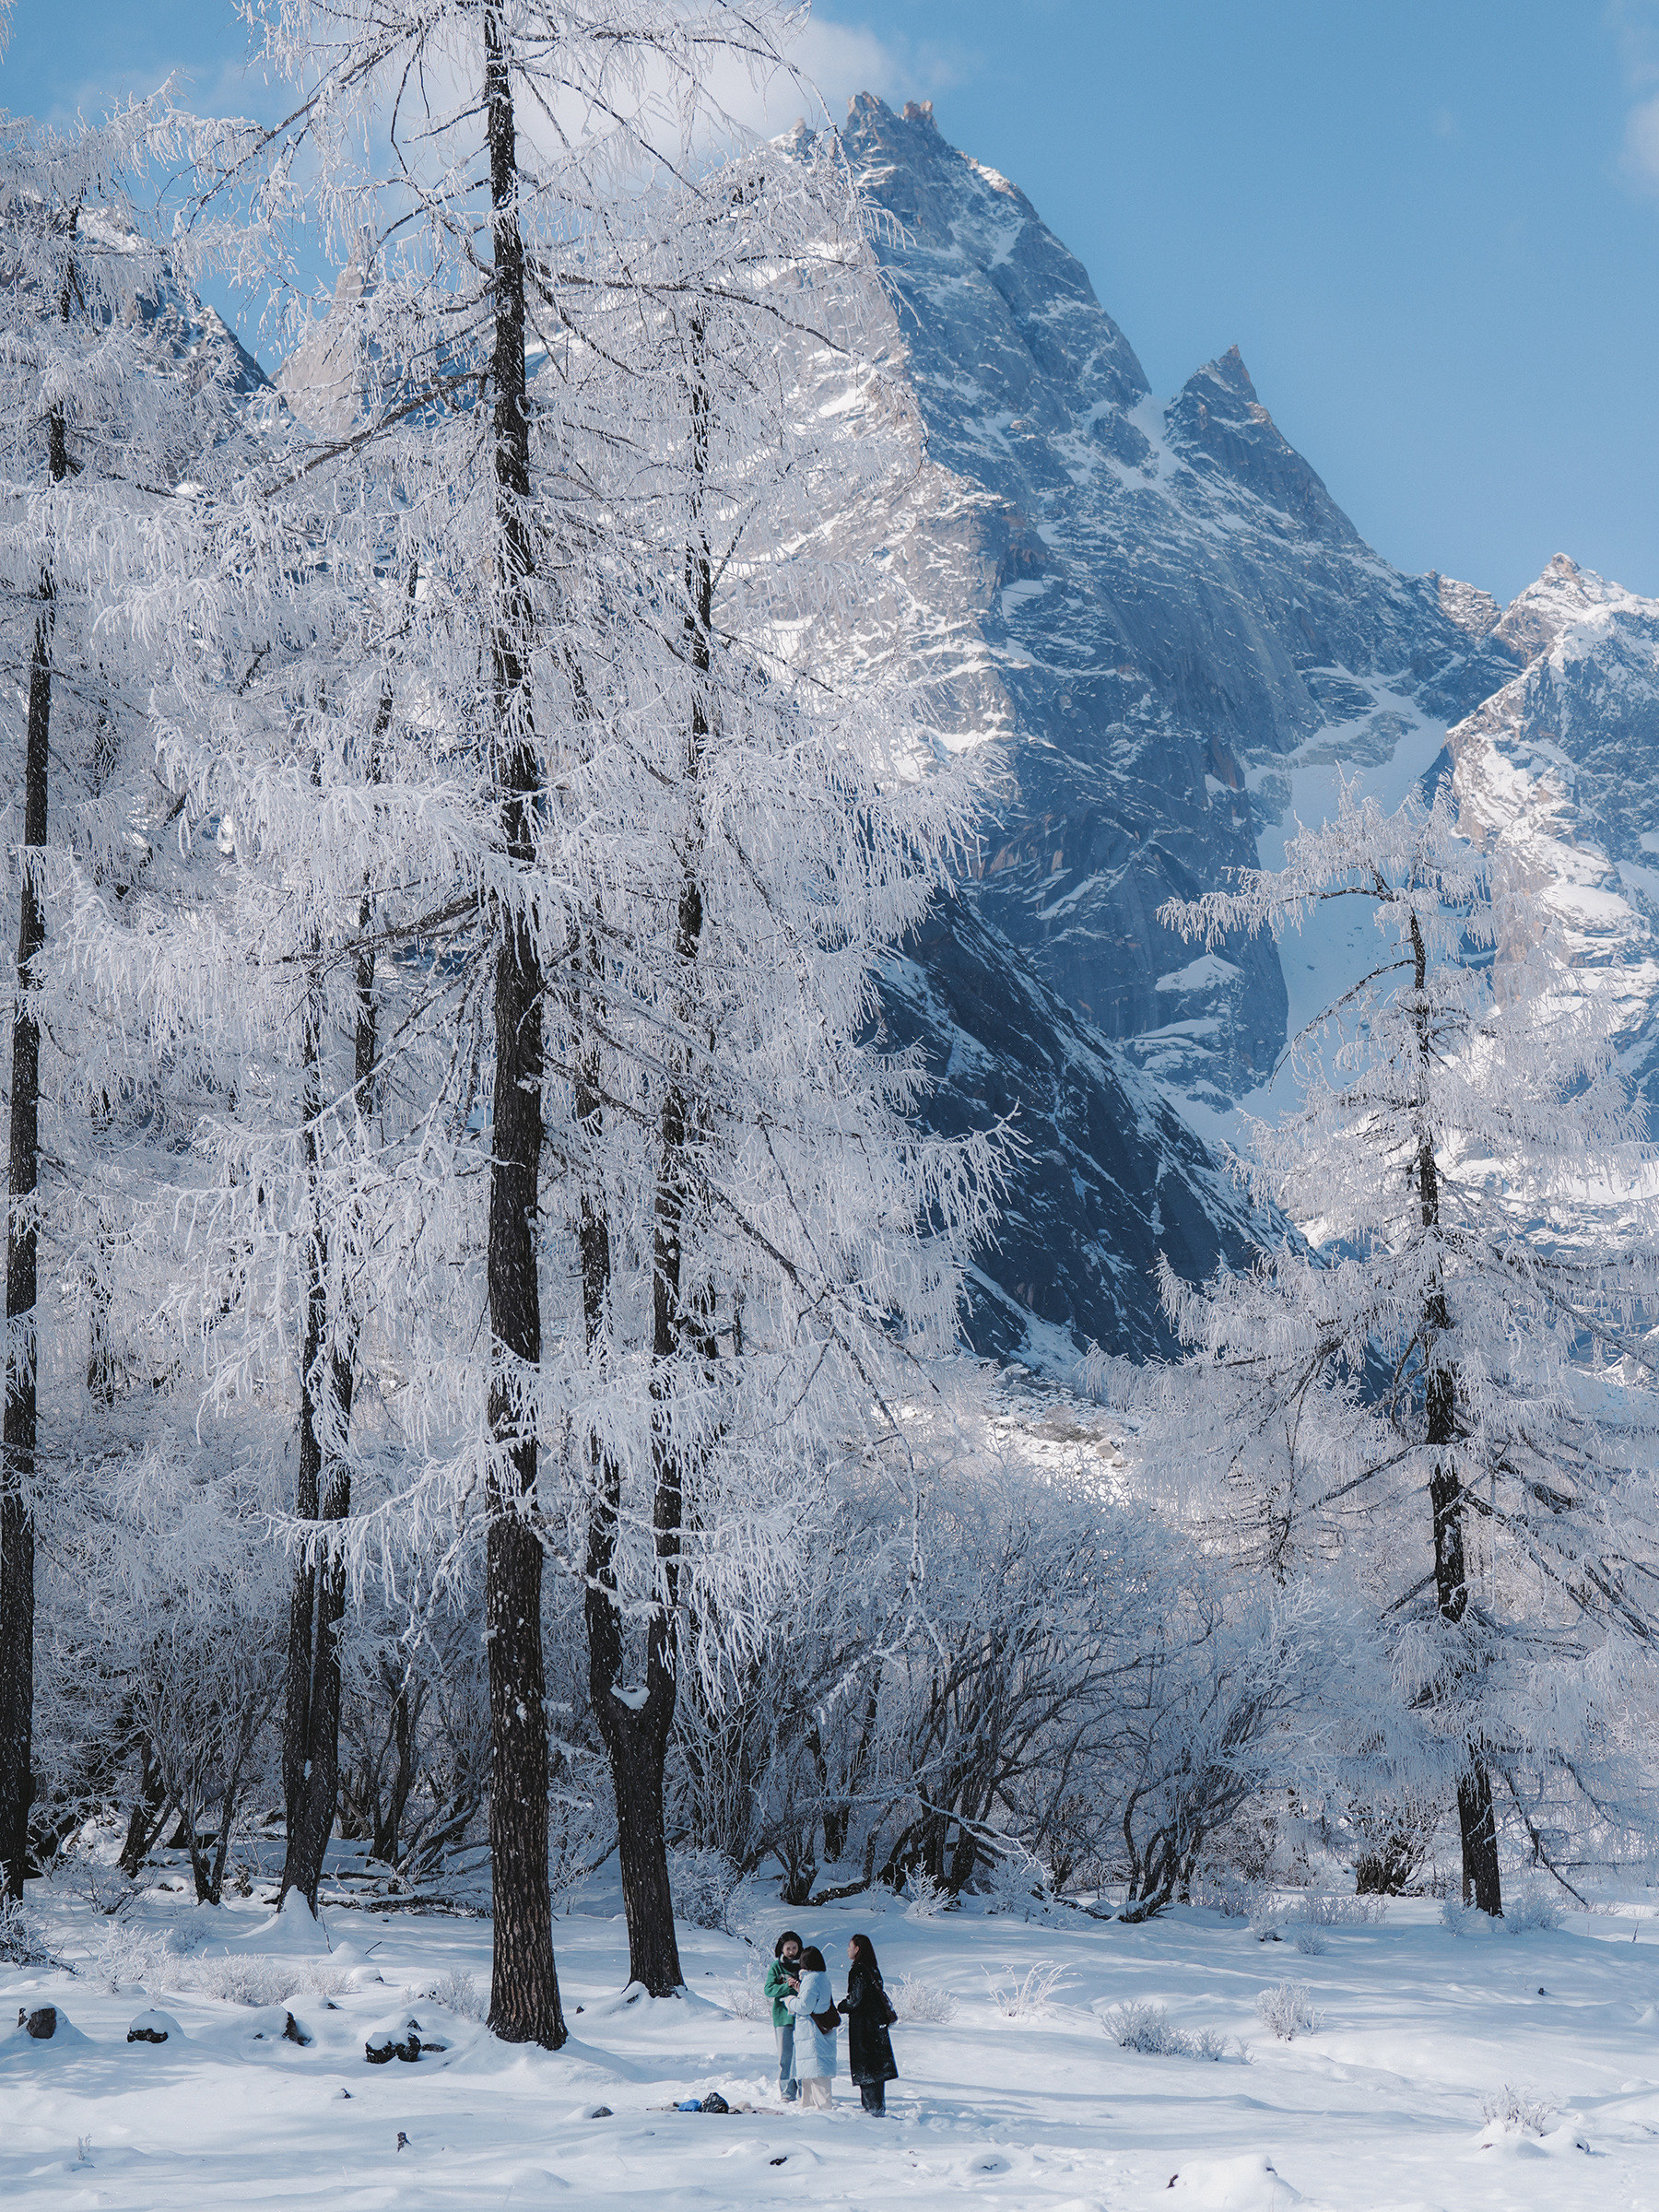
(866, 1955)
(788, 1936)
(812, 1958)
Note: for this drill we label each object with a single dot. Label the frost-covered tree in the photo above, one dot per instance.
(1450, 1381)
(661, 856)
(106, 400)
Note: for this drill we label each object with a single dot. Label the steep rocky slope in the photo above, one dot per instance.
(1158, 609)
(1561, 764)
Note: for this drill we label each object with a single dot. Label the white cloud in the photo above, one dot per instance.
(831, 61)
(1641, 159)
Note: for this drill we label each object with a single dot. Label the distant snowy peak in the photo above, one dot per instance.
(1563, 595)
(1561, 766)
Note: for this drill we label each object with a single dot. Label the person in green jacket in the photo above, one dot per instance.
(783, 1980)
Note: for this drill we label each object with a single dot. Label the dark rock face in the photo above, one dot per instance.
(1156, 609)
(1110, 1175)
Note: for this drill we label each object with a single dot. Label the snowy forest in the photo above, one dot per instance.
(489, 1407)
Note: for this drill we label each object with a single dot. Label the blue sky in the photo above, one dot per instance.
(1431, 225)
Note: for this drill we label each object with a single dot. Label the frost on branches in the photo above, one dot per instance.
(1445, 1394)
(560, 864)
(103, 419)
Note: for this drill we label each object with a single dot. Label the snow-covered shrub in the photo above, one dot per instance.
(1517, 2112)
(257, 1979)
(919, 2003)
(1288, 2012)
(745, 1998)
(456, 1992)
(1534, 1908)
(1323, 1909)
(1140, 2025)
(1464, 1920)
(1017, 1882)
(926, 1898)
(128, 1957)
(1025, 1998)
(703, 1883)
(1235, 1895)
(21, 1943)
(108, 1889)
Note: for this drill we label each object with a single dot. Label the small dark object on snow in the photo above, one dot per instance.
(582, 2007)
(346, 2093)
(41, 2024)
(783, 2159)
(600, 2111)
(293, 2033)
(147, 2035)
(1171, 2182)
(380, 2054)
(1542, 1991)
(403, 2140)
(715, 2102)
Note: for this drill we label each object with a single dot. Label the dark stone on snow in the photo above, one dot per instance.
(41, 2023)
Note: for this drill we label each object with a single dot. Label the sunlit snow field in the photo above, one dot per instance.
(1381, 2106)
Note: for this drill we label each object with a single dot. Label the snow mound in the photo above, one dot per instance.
(153, 2026)
(294, 1933)
(1241, 2184)
(31, 2032)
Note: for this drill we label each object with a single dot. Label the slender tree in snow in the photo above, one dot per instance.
(1454, 1380)
(97, 421)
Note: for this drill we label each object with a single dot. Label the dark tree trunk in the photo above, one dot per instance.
(389, 1820)
(1475, 1819)
(17, 1449)
(635, 1729)
(150, 1808)
(311, 1736)
(525, 2005)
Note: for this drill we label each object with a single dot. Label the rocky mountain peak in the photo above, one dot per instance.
(1217, 413)
(1536, 617)
(1467, 604)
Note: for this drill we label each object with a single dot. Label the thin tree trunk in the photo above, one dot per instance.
(310, 1740)
(1475, 1819)
(635, 1731)
(525, 2005)
(17, 1447)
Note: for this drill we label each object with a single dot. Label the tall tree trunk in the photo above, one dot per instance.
(18, 1446)
(525, 2005)
(311, 1735)
(1475, 1819)
(635, 1728)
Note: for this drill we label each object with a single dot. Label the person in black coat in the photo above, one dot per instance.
(868, 2015)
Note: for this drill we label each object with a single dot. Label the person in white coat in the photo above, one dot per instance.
(814, 2046)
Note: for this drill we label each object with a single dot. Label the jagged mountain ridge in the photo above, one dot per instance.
(1168, 605)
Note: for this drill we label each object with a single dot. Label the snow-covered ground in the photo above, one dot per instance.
(1380, 2107)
